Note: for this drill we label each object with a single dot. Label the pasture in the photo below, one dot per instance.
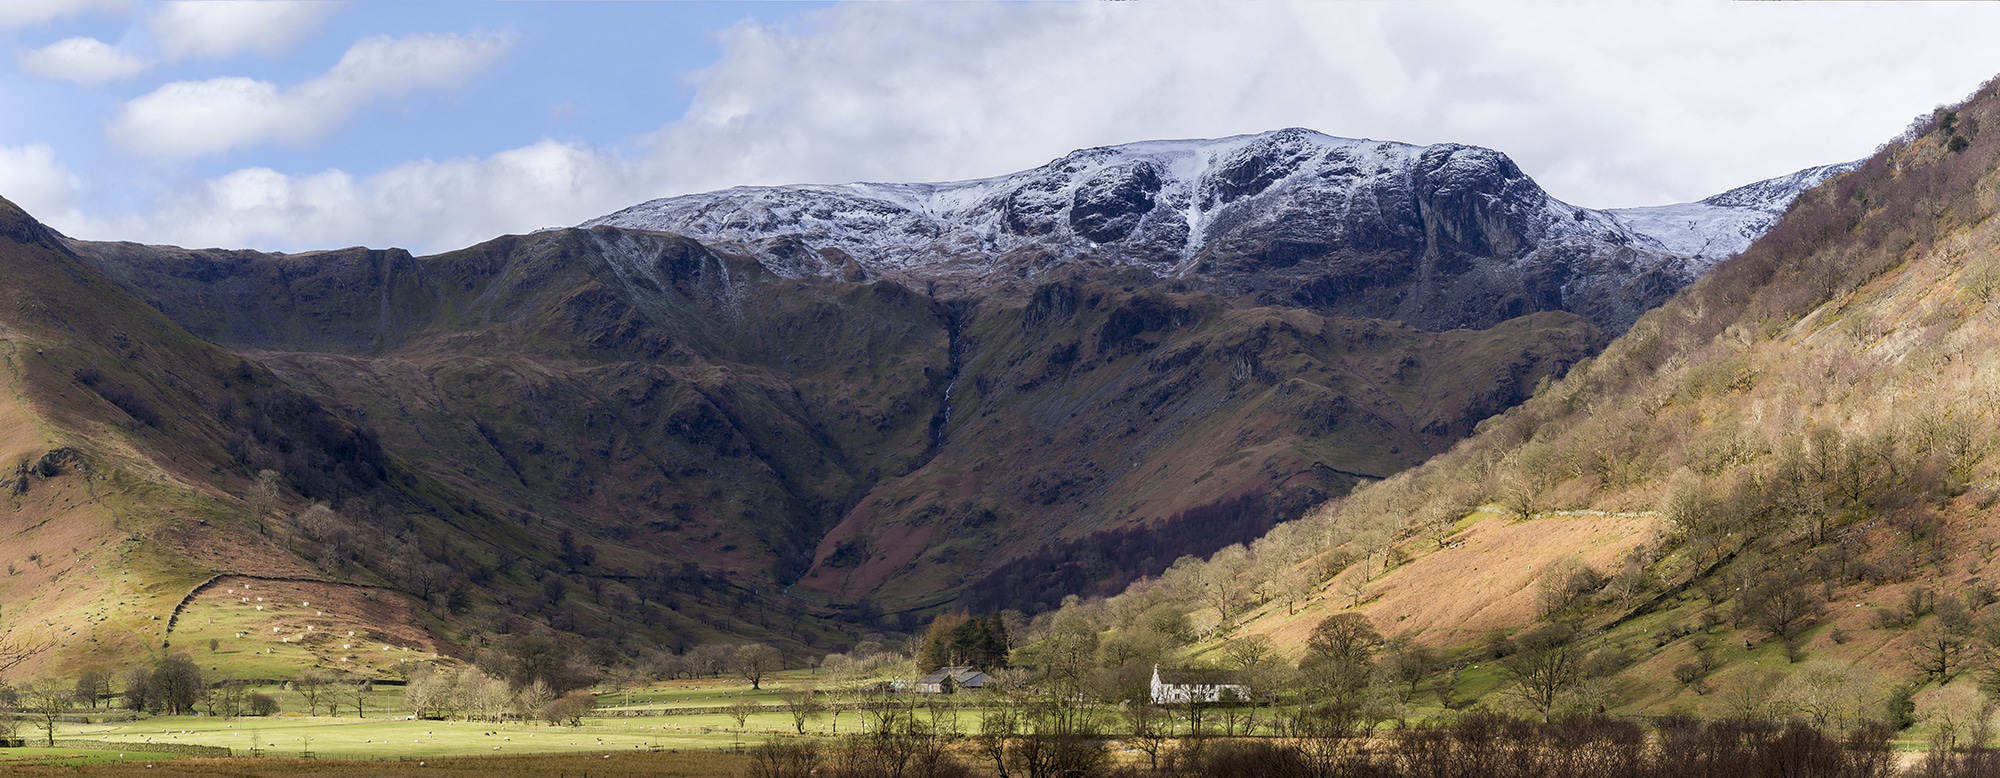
(674, 716)
(13, 758)
(665, 765)
(244, 628)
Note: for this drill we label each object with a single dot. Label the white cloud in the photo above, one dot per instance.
(32, 178)
(1606, 104)
(423, 205)
(217, 29)
(85, 61)
(389, 67)
(194, 118)
(22, 13)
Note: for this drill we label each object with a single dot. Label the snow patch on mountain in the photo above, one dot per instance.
(1719, 227)
(1082, 202)
(1440, 236)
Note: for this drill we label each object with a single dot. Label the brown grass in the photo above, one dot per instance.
(1486, 580)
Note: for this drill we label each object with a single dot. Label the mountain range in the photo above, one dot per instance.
(1439, 237)
(792, 413)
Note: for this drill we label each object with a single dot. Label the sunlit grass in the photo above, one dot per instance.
(74, 757)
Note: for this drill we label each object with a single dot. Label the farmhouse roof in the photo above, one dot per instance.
(1198, 677)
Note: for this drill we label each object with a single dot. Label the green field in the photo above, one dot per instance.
(684, 764)
(257, 637)
(385, 731)
(352, 738)
(675, 716)
(74, 757)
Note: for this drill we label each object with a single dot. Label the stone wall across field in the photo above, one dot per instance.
(182, 749)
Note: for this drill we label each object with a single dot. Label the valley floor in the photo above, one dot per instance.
(666, 764)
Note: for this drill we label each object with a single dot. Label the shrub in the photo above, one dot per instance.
(1901, 708)
(261, 704)
(1605, 662)
(1891, 618)
(1689, 673)
(1981, 594)
(570, 708)
(785, 759)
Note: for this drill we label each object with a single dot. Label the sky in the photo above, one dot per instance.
(295, 125)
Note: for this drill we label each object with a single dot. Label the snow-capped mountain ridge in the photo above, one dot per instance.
(908, 225)
(1440, 236)
(1716, 228)
(1774, 195)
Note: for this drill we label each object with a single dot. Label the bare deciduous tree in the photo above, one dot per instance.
(1149, 729)
(570, 708)
(92, 686)
(482, 695)
(803, 703)
(1409, 666)
(741, 710)
(430, 693)
(1824, 693)
(753, 661)
(1546, 663)
(531, 699)
(1563, 585)
(263, 497)
(1221, 584)
(1940, 654)
(311, 686)
(1782, 606)
(1348, 637)
(48, 700)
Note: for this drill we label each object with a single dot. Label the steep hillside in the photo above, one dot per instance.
(1093, 409)
(626, 381)
(164, 492)
(669, 406)
(1438, 236)
(124, 458)
(1785, 475)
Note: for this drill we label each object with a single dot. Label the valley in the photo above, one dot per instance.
(678, 439)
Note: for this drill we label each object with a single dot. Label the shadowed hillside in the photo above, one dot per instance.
(666, 405)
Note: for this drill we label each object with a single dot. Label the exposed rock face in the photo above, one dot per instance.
(1440, 237)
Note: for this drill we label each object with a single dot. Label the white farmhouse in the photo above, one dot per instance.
(1179, 687)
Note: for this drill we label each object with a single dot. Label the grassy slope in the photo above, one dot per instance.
(89, 582)
(1844, 367)
(139, 503)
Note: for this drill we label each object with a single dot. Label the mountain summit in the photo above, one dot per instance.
(1440, 236)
